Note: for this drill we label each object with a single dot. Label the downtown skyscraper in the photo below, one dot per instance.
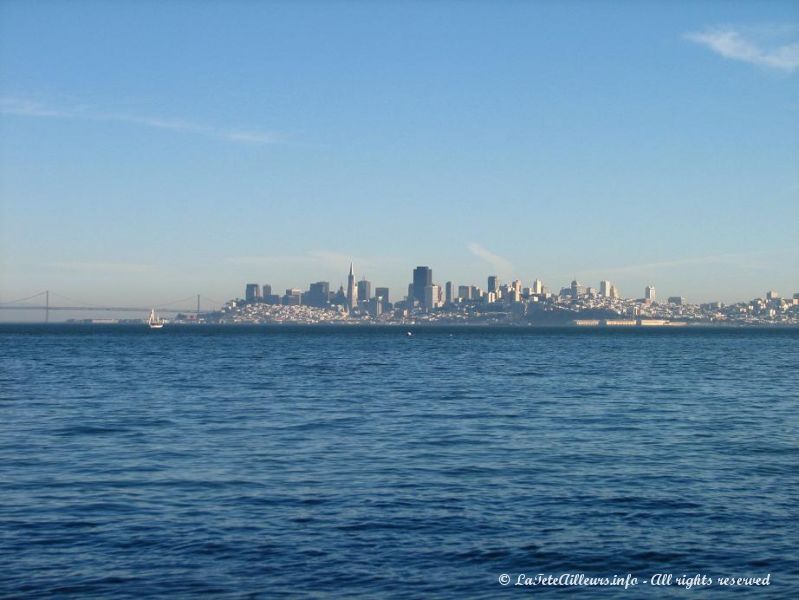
(422, 277)
(352, 294)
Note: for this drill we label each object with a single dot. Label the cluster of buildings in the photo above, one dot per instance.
(358, 297)
(771, 310)
(423, 294)
(498, 303)
(252, 313)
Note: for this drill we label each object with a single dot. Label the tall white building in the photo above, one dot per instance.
(604, 289)
(431, 296)
(538, 287)
(649, 293)
(450, 294)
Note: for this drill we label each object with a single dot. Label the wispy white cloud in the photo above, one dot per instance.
(760, 260)
(28, 108)
(501, 266)
(103, 267)
(251, 137)
(737, 44)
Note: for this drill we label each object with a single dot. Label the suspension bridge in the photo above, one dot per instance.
(47, 301)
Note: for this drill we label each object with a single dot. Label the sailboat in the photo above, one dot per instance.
(154, 322)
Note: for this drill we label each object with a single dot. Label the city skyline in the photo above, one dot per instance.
(358, 290)
(499, 303)
(155, 153)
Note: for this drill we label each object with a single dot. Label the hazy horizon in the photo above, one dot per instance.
(151, 152)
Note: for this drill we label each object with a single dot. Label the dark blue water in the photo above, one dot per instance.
(362, 463)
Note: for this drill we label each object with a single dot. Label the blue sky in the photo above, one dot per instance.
(156, 150)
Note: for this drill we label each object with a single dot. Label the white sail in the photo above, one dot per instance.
(154, 322)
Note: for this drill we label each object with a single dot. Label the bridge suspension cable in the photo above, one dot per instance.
(75, 304)
(24, 299)
(161, 305)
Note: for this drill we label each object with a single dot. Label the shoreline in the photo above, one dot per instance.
(338, 326)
